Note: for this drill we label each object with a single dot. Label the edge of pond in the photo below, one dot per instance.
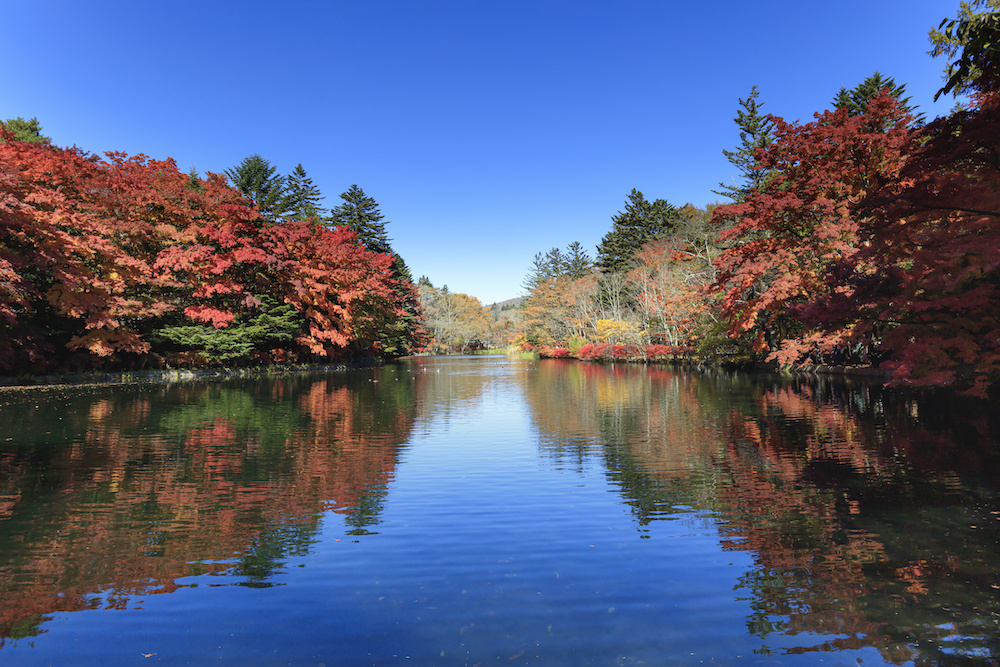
(175, 375)
(192, 375)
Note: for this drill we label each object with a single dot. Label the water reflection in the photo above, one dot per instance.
(872, 518)
(109, 495)
(864, 519)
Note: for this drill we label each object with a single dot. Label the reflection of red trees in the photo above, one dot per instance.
(799, 477)
(654, 410)
(813, 562)
(356, 464)
(802, 474)
(133, 513)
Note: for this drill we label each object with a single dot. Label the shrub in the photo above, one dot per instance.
(660, 352)
(626, 353)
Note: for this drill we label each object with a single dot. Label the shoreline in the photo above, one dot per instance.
(173, 376)
(193, 375)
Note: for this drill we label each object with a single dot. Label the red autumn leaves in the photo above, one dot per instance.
(875, 236)
(99, 257)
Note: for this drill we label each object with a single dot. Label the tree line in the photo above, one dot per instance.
(124, 262)
(866, 236)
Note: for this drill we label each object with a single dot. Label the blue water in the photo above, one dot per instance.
(484, 510)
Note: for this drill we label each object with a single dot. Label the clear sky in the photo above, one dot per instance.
(487, 130)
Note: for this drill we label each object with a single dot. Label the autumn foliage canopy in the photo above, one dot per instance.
(125, 263)
(876, 243)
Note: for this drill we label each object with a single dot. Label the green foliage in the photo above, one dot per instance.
(260, 183)
(272, 326)
(856, 100)
(194, 181)
(578, 262)
(756, 133)
(541, 270)
(639, 223)
(360, 213)
(574, 263)
(974, 37)
(26, 130)
(303, 197)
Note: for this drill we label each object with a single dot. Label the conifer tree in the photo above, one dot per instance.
(639, 223)
(303, 197)
(538, 273)
(856, 100)
(26, 130)
(260, 183)
(755, 133)
(578, 262)
(360, 213)
(556, 261)
(194, 181)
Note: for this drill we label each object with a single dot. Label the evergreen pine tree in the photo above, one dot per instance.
(639, 223)
(26, 130)
(578, 262)
(856, 99)
(360, 213)
(260, 183)
(303, 197)
(755, 132)
(538, 273)
(194, 181)
(556, 261)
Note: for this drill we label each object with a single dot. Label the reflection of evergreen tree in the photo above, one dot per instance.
(365, 513)
(254, 418)
(267, 553)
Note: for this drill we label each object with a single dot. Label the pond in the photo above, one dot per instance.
(482, 510)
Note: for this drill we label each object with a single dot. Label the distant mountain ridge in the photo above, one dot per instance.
(509, 303)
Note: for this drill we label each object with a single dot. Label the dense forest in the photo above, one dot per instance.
(867, 236)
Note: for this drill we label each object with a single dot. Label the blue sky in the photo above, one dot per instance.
(486, 130)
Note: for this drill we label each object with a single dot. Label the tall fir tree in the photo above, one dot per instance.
(360, 213)
(302, 196)
(578, 262)
(261, 184)
(856, 99)
(756, 132)
(640, 222)
(194, 181)
(539, 271)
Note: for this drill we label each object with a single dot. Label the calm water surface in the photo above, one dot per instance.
(485, 510)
